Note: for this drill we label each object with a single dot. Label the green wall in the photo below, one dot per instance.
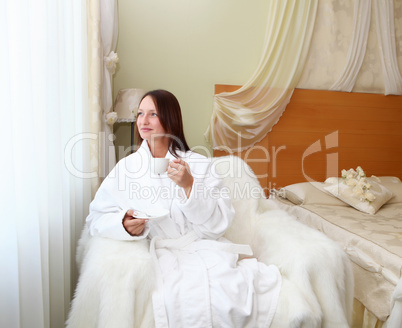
(187, 46)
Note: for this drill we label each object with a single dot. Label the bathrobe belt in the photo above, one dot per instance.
(186, 243)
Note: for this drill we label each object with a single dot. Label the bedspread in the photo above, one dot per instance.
(372, 242)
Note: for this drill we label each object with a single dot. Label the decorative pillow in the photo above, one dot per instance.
(394, 185)
(309, 193)
(366, 200)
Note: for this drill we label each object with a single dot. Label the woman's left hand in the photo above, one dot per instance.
(179, 172)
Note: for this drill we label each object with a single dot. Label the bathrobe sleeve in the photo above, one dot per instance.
(208, 208)
(107, 210)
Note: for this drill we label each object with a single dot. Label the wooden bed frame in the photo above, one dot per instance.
(322, 132)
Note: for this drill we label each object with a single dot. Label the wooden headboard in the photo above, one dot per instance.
(323, 132)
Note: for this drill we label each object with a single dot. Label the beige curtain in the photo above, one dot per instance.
(108, 30)
(95, 66)
(242, 118)
(102, 27)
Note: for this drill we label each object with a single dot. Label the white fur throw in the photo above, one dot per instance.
(116, 277)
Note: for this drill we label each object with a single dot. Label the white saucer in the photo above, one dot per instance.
(152, 214)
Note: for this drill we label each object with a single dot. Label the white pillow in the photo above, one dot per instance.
(387, 179)
(310, 193)
(394, 185)
(345, 193)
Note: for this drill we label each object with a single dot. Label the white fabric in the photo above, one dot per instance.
(357, 47)
(384, 14)
(109, 32)
(395, 318)
(242, 118)
(95, 73)
(306, 299)
(43, 90)
(329, 45)
(334, 43)
(200, 282)
(373, 246)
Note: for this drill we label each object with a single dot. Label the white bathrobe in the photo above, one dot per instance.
(201, 283)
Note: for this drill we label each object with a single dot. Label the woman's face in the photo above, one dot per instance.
(148, 123)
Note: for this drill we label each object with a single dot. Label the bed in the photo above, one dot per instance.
(372, 242)
(320, 134)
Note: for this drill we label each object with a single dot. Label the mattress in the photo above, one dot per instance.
(372, 242)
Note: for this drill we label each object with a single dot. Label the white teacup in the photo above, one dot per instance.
(159, 165)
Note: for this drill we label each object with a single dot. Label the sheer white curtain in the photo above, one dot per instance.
(384, 14)
(43, 100)
(357, 48)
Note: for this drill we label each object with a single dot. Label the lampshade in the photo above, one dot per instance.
(126, 104)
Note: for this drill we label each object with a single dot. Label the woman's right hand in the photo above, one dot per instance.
(133, 226)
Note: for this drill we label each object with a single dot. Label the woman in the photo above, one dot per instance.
(201, 283)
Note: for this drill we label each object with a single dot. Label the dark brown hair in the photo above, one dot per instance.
(169, 113)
